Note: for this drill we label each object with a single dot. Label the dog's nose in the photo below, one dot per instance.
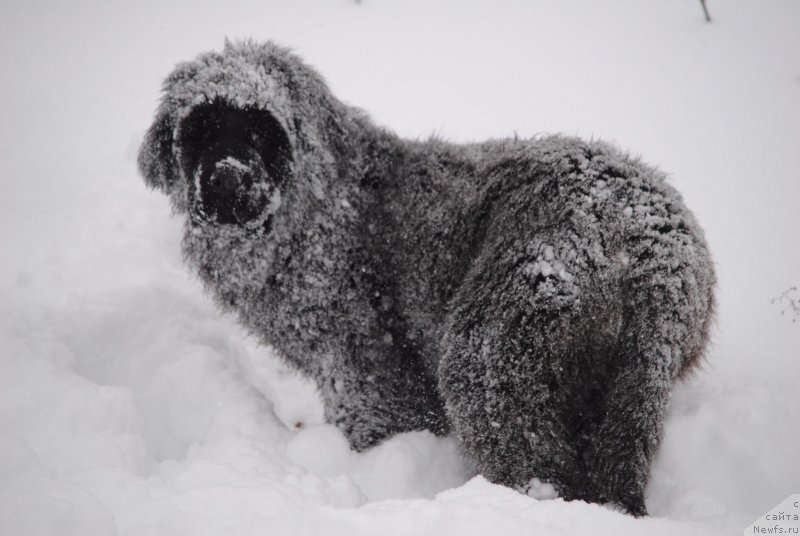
(227, 180)
(233, 192)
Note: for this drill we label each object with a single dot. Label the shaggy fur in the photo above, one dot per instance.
(538, 297)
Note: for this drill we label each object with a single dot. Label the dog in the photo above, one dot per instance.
(539, 298)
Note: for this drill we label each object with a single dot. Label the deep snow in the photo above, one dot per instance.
(129, 405)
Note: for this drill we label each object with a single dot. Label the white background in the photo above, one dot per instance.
(129, 405)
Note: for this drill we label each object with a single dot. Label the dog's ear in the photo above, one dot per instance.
(157, 161)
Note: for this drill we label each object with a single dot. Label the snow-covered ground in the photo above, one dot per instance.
(129, 405)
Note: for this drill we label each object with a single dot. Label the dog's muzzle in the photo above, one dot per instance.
(234, 190)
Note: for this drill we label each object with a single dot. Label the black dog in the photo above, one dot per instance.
(539, 297)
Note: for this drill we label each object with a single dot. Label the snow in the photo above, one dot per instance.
(129, 405)
(232, 162)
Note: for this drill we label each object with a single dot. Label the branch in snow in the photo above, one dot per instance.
(790, 300)
(705, 10)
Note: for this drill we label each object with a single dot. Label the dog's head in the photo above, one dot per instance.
(235, 130)
(251, 146)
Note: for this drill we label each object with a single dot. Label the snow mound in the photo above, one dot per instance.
(129, 406)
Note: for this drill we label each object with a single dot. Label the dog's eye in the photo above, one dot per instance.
(235, 160)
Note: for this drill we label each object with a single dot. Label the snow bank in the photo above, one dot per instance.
(129, 406)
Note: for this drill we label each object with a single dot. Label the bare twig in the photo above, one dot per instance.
(705, 10)
(790, 300)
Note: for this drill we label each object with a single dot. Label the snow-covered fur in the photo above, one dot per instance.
(538, 297)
